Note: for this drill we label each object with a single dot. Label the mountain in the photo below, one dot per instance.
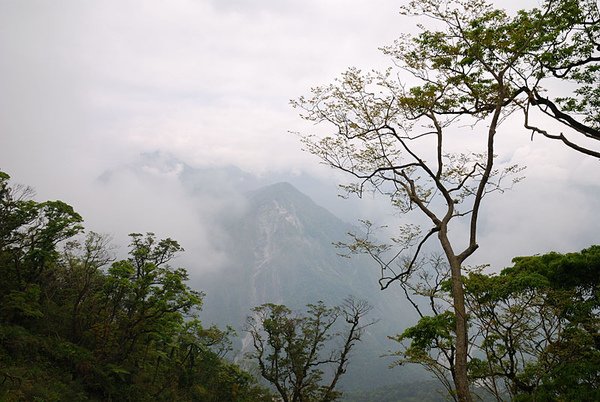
(280, 250)
(248, 243)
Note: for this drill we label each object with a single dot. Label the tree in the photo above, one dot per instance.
(394, 131)
(534, 329)
(144, 298)
(397, 140)
(29, 234)
(539, 328)
(296, 352)
(77, 282)
(74, 325)
(567, 50)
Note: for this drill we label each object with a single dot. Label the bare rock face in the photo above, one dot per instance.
(280, 250)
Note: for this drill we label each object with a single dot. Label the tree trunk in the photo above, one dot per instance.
(460, 364)
(461, 380)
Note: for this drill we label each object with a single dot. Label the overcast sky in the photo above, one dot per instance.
(86, 87)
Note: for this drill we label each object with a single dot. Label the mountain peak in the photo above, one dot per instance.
(283, 193)
(280, 250)
(282, 187)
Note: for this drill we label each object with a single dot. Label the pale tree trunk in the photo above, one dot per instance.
(461, 380)
(460, 364)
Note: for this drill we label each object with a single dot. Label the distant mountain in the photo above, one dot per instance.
(248, 243)
(280, 250)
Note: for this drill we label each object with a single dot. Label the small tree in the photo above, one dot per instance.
(296, 353)
(431, 342)
(144, 298)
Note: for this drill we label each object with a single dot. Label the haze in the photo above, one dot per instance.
(103, 103)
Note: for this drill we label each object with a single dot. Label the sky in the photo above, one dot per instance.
(87, 88)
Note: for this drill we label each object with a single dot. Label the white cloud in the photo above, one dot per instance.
(88, 86)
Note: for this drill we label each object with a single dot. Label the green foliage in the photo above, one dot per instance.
(558, 41)
(296, 353)
(430, 332)
(29, 233)
(573, 294)
(430, 343)
(534, 327)
(573, 54)
(76, 327)
(539, 326)
(23, 304)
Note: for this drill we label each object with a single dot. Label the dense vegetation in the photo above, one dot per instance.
(534, 327)
(76, 325)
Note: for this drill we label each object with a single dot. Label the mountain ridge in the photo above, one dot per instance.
(281, 251)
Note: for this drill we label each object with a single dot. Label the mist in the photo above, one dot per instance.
(91, 89)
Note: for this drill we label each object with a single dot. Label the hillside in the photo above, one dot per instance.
(281, 251)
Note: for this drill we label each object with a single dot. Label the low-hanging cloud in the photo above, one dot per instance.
(88, 87)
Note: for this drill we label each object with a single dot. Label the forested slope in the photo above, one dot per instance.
(75, 325)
